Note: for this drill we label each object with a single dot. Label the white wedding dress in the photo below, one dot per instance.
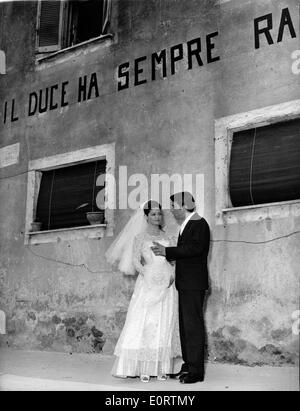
(149, 340)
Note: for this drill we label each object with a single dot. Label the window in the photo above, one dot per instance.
(265, 164)
(66, 194)
(257, 160)
(62, 24)
(63, 188)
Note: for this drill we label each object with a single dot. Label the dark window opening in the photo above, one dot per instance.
(67, 194)
(86, 20)
(265, 164)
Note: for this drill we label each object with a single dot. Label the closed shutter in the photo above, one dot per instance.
(66, 194)
(49, 25)
(265, 164)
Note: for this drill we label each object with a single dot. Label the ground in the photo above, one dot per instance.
(53, 371)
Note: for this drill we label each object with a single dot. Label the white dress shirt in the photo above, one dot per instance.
(182, 227)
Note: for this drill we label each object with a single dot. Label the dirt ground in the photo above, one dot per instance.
(53, 371)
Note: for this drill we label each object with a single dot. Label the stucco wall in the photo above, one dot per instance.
(164, 126)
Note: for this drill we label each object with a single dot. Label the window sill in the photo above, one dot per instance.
(259, 212)
(66, 234)
(63, 55)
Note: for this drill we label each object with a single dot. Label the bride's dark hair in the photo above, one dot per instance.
(150, 205)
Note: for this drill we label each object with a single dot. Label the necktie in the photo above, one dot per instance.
(179, 237)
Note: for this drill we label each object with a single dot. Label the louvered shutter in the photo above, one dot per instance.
(49, 25)
(265, 164)
(66, 194)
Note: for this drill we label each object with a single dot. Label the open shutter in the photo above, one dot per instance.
(106, 16)
(49, 26)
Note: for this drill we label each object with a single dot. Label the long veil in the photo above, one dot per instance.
(121, 250)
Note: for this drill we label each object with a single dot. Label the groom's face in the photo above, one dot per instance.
(177, 211)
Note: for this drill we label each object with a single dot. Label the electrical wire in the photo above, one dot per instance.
(104, 270)
(257, 242)
(50, 199)
(66, 263)
(251, 166)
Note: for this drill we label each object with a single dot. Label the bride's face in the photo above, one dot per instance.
(155, 217)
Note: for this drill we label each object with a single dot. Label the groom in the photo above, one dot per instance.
(191, 282)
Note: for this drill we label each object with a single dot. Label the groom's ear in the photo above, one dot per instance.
(175, 205)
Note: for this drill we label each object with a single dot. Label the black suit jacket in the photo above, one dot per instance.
(191, 253)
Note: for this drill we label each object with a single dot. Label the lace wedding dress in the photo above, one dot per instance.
(150, 338)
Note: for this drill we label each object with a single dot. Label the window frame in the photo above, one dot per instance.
(48, 52)
(224, 129)
(35, 169)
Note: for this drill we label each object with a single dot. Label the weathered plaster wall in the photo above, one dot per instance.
(62, 296)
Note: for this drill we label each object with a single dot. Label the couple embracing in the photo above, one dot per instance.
(165, 314)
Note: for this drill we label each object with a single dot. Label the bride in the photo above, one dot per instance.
(149, 341)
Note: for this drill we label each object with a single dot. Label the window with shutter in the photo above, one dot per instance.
(49, 26)
(67, 194)
(63, 24)
(265, 164)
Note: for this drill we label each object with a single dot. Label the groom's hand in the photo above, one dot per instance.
(158, 249)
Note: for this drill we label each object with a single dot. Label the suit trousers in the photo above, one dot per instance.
(192, 330)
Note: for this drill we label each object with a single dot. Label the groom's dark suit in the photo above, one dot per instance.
(191, 280)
